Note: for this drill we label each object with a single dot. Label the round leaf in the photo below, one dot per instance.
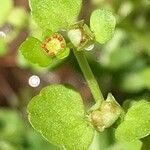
(53, 15)
(136, 123)
(32, 51)
(102, 23)
(58, 114)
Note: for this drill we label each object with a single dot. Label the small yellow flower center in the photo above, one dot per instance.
(54, 44)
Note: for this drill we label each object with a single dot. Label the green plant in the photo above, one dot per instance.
(58, 112)
(14, 134)
(12, 20)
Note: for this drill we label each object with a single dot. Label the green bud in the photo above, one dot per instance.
(107, 115)
(80, 35)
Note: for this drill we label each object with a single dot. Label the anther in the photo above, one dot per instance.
(54, 35)
(47, 51)
(52, 54)
(43, 45)
(62, 45)
(48, 39)
(60, 38)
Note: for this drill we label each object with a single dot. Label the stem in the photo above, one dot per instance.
(92, 83)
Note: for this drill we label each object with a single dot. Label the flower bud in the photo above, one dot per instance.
(80, 35)
(107, 115)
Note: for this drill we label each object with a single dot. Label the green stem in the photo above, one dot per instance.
(92, 83)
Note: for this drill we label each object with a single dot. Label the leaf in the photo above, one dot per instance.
(132, 82)
(64, 54)
(5, 145)
(122, 145)
(58, 114)
(53, 15)
(11, 126)
(121, 57)
(145, 74)
(136, 124)
(5, 8)
(46, 33)
(35, 30)
(37, 142)
(18, 17)
(102, 23)
(32, 51)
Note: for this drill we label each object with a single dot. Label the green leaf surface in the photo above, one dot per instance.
(58, 114)
(53, 15)
(35, 30)
(32, 51)
(136, 124)
(46, 33)
(102, 23)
